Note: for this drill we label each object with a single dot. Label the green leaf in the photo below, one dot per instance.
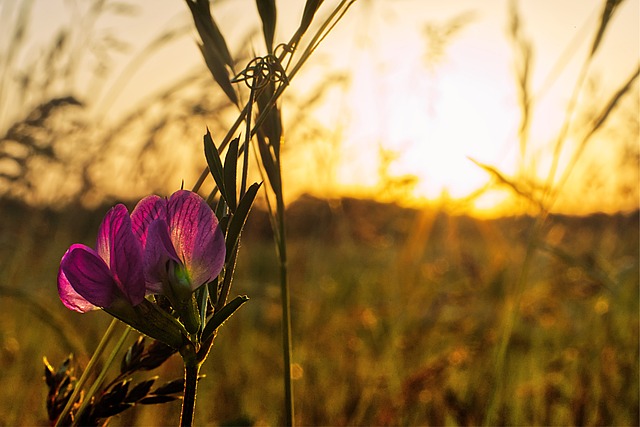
(221, 316)
(230, 174)
(269, 163)
(240, 217)
(268, 14)
(221, 212)
(202, 297)
(269, 135)
(214, 162)
(272, 125)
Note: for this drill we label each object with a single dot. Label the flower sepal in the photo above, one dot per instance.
(151, 320)
(189, 314)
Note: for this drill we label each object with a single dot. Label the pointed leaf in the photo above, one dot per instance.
(230, 174)
(202, 297)
(152, 400)
(213, 160)
(133, 355)
(267, 11)
(205, 18)
(269, 163)
(157, 353)
(221, 316)
(116, 395)
(609, 107)
(49, 374)
(272, 124)
(140, 390)
(172, 387)
(609, 8)
(214, 47)
(310, 9)
(240, 217)
(507, 181)
(221, 213)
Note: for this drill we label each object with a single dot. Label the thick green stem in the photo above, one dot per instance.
(191, 371)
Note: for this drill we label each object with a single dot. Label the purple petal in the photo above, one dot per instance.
(146, 211)
(158, 251)
(84, 271)
(196, 236)
(122, 251)
(70, 298)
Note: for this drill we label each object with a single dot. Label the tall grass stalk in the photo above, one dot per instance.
(271, 164)
(102, 375)
(97, 354)
(550, 189)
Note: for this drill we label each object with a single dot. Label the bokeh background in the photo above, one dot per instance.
(425, 143)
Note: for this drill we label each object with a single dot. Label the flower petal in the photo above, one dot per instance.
(70, 298)
(196, 236)
(146, 211)
(122, 251)
(158, 251)
(84, 271)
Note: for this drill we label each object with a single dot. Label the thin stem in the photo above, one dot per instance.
(103, 373)
(85, 375)
(511, 323)
(286, 311)
(191, 370)
(247, 139)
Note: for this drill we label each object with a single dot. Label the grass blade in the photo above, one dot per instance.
(268, 15)
(214, 47)
(213, 160)
(222, 315)
(240, 217)
(609, 8)
(230, 173)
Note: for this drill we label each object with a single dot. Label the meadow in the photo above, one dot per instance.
(397, 316)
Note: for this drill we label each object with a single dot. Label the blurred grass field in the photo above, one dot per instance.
(397, 316)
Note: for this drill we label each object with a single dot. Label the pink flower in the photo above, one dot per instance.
(183, 245)
(89, 279)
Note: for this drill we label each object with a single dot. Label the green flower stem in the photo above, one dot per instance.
(191, 371)
(85, 375)
(103, 373)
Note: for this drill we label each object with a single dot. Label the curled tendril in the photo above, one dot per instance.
(264, 70)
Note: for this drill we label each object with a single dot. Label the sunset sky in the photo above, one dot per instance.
(427, 107)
